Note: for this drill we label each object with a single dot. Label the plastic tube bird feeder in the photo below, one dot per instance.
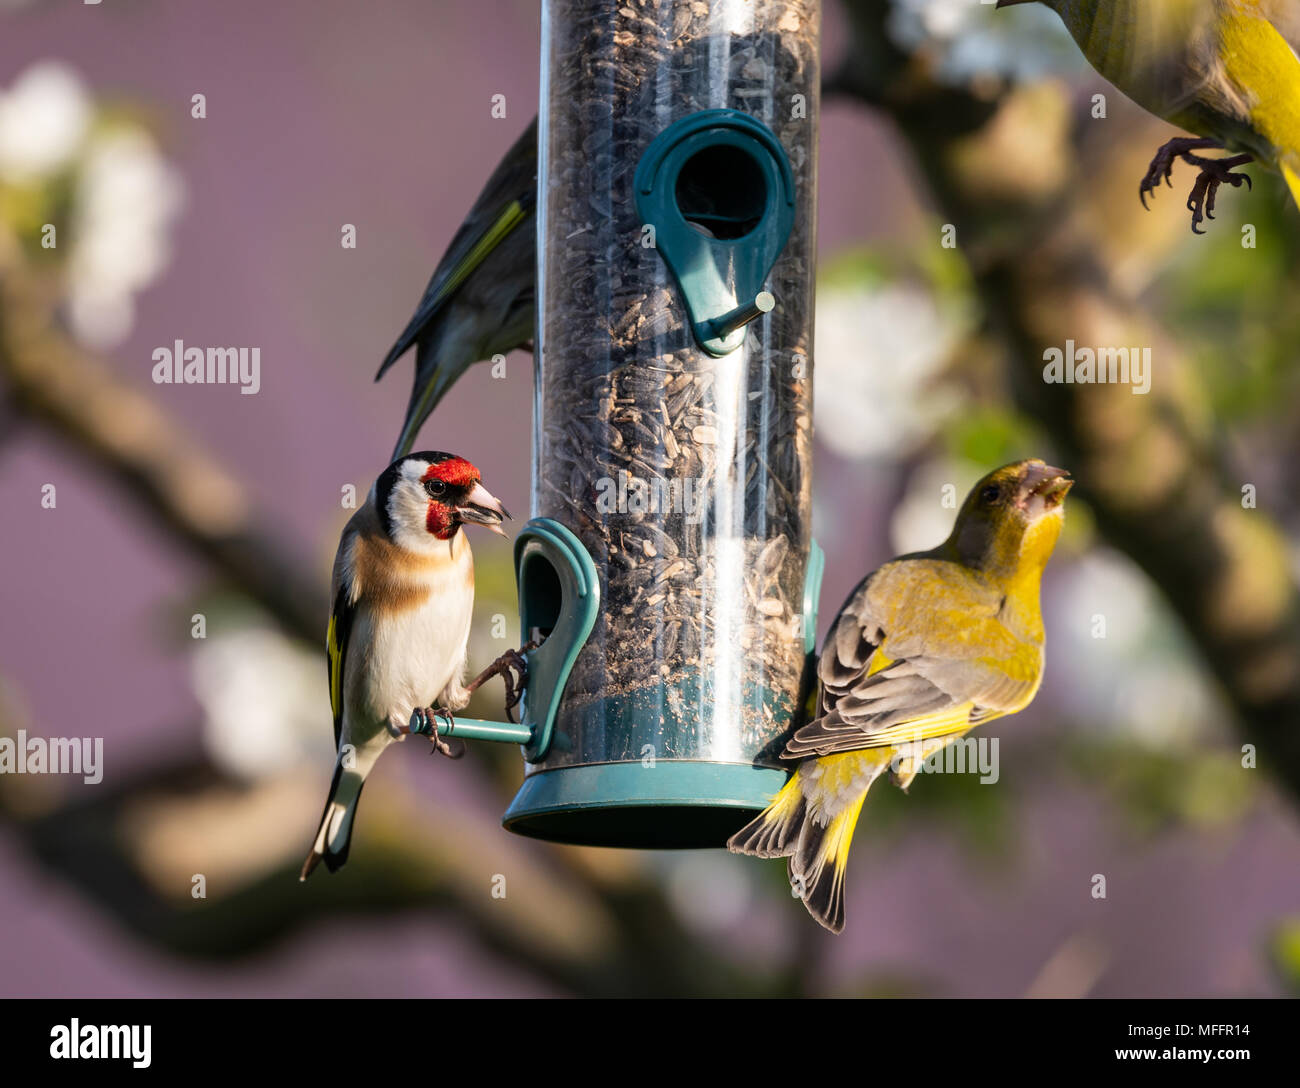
(670, 561)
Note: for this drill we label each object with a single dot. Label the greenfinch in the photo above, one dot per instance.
(479, 301)
(926, 648)
(1227, 70)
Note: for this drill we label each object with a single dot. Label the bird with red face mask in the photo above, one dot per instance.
(403, 593)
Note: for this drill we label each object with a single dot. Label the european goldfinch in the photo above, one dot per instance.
(480, 301)
(927, 647)
(1225, 69)
(403, 592)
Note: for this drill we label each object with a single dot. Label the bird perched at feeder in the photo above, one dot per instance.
(480, 300)
(403, 592)
(926, 648)
(1227, 70)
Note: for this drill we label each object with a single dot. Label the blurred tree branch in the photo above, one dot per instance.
(1005, 166)
(561, 923)
(123, 434)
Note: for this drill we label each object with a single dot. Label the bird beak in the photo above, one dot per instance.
(481, 507)
(1008, 3)
(1044, 483)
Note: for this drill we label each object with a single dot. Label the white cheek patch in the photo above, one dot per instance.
(408, 509)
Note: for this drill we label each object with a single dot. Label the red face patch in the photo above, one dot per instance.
(455, 472)
(439, 521)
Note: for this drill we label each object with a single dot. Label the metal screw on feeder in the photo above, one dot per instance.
(724, 326)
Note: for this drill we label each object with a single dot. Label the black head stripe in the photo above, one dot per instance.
(383, 488)
(432, 456)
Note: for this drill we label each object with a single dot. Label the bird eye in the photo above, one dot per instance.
(436, 488)
(990, 494)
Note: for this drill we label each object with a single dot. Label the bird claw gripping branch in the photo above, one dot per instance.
(511, 666)
(424, 723)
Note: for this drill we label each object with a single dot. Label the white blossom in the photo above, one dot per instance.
(879, 350)
(1128, 666)
(923, 519)
(970, 38)
(127, 198)
(44, 117)
(264, 701)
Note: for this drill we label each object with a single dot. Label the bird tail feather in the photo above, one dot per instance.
(772, 833)
(424, 399)
(818, 864)
(818, 852)
(334, 838)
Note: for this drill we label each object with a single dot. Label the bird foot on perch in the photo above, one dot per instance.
(513, 670)
(424, 722)
(1214, 172)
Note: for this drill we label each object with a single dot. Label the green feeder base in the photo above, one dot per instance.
(673, 805)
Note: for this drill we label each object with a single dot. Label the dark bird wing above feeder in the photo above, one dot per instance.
(480, 299)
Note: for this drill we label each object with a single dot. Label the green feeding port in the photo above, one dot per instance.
(718, 189)
(559, 597)
(717, 208)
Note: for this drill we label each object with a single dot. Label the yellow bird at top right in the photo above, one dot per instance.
(1228, 70)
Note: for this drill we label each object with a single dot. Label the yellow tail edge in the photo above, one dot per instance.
(774, 831)
(1293, 182)
(818, 865)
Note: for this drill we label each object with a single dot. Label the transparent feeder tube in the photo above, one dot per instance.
(686, 476)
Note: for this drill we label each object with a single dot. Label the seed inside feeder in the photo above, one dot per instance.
(685, 476)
